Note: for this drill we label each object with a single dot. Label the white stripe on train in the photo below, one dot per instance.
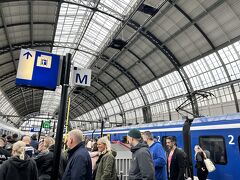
(193, 128)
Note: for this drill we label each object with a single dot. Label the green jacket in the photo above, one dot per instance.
(106, 169)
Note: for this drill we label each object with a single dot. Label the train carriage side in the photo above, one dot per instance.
(221, 139)
(219, 135)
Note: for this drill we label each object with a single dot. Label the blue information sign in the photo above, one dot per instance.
(38, 69)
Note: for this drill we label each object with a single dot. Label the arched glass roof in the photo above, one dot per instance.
(147, 58)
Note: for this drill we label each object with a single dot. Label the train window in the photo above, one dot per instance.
(124, 139)
(216, 147)
(164, 141)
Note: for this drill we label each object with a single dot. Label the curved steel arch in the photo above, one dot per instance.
(88, 97)
(212, 46)
(117, 99)
(163, 48)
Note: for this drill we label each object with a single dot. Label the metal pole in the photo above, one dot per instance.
(67, 123)
(187, 145)
(39, 133)
(61, 116)
(102, 126)
(93, 132)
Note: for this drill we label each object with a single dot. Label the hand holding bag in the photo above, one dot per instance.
(209, 165)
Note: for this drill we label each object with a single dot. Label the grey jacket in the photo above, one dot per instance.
(142, 164)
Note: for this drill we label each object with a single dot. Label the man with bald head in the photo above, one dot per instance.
(29, 150)
(79, 165)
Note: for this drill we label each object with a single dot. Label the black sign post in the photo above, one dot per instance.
(102, 127)
(62, 115)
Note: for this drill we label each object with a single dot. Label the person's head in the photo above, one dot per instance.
(103, 145)
(74, 138)
(15, 136)
(26, 139)
(48, 141)
(34, 137)
(94, 148)
(18, 149)
(197, 148)
(9, 138)
(2, 142)
(148, 137)
(171, 142)
(134, 137)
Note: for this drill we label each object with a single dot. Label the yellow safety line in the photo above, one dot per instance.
(66, 124)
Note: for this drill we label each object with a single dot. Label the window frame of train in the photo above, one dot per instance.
(124, 139)
(163, 139)
(214, 141)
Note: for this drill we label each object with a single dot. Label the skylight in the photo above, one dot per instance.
(7, 109)
(83, 33)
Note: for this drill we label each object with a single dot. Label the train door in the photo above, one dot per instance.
(219, 151)
(232, 143)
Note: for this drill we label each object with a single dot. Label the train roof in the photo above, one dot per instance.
(9, 128)
(203, 121)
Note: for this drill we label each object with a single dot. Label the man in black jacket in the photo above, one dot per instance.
(79, 165)
(141, 164)
(175, 160)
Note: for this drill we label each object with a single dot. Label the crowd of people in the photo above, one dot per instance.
(94, 159)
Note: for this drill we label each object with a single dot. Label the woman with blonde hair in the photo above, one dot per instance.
(44, 160)
(19, 166)
(105, 165)
(200, 155)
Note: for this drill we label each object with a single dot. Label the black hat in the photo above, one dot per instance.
(134, 133)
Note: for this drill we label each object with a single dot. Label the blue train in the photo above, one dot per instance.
(219, 135)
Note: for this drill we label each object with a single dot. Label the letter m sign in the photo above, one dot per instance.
(81, 77)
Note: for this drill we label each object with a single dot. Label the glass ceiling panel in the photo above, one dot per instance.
(109, 108)
(231, 57)
(101, 111)
(84, 35)
(83, 117)
(112, 107)
(94, 114)
(100, 27)
(51, 101)
(120, 6)
(78, 29)
(126, 102)
(153, 91)
(115, 106)
(136, 98)
(173, 84)
(206, 72)
(7, 108)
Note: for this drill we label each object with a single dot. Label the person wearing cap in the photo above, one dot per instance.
(141, 164)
